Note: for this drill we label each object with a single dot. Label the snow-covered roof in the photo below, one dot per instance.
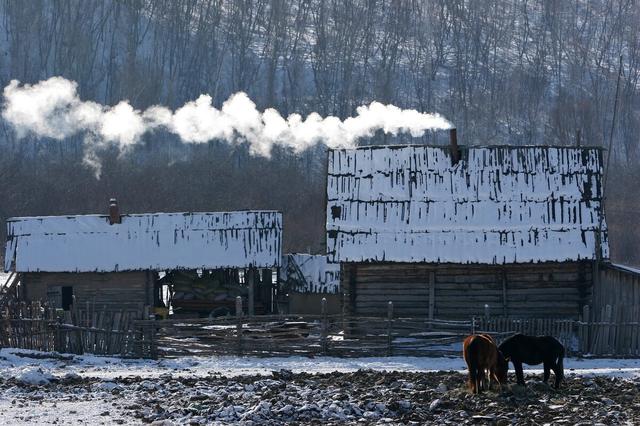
(155, 241)
(625, 268)
(497, 205)
(310, 273)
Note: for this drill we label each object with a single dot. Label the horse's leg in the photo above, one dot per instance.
(473, 380)
(494, 377)
(517, 365)
(487, 379)
(558, 370)
(547, 371)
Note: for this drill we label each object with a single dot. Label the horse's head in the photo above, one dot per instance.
(502, 368)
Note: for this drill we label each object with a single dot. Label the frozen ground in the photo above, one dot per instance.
(97, 390)
(87, 366)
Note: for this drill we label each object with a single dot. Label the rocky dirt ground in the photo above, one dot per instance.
(361, 397)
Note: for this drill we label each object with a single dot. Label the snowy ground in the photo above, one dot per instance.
(108, 368)
(3, 276)
(97, 390)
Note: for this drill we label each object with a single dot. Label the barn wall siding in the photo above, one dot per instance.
(616, 286)
(461, 291)
(128, 291)
(311, 303)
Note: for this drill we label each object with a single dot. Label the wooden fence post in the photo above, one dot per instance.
(153, 345)
(57, 346)
(145, 334)
(344, 313)
(610, 330)
(586, 330)
(390, 328)
(432, 293)
(239, 323)
(323, 326)
(75, 319)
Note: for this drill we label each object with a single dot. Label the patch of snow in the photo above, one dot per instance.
(106, 386)
(107, 368)
(35, 376)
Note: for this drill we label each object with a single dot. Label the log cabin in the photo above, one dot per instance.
(455, 232)
(113, 261)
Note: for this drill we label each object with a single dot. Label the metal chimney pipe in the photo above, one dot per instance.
(453, 142)
(114, 212)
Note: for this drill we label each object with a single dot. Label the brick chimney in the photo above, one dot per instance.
(114, 212)
(453, 145)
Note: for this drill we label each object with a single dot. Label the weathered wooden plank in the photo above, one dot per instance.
(521, 287)
(416, 289)
(432, 294)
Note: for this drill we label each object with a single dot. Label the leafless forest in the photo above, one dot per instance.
(504, 72)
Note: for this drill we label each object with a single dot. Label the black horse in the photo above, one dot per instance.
(534, 350)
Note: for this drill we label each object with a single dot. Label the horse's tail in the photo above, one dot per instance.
(471, 357)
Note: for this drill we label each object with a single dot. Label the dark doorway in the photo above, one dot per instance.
(67, 298)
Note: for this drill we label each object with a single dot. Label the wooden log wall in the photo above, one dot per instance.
(127, 291)
(462, 291)
(616, 286)
(610, 324)
(309, 303)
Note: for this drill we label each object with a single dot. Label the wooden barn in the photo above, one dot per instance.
(115, 261)
(305, 279)
(448, 232)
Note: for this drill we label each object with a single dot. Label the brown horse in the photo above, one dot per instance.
(483, 358)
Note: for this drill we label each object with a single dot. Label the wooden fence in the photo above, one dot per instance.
(615, 331)
(502, 327)
(38, 327)
(611, 331)
(335, 335)
(128, 334)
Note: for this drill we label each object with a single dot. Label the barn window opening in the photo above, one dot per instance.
(67, 297)
(336, 211)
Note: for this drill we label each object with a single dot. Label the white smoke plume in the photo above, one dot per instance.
(53, 109)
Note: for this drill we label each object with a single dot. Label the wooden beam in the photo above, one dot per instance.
(265, 290)
(505, 308)
(353, 271)
(250, 280)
